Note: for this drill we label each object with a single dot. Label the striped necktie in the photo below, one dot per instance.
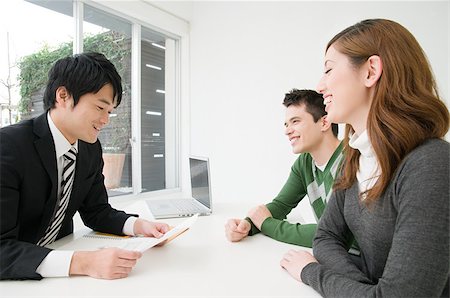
(66, 189)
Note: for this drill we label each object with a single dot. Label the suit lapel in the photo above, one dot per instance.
(45, 148)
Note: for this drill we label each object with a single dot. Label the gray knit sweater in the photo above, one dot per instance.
(403, 237)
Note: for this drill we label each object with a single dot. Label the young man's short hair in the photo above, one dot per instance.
(82, 74)
(313, 102)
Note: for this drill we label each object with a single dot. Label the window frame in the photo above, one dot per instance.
(143, 14)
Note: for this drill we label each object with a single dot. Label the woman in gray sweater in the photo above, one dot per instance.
(393, 195)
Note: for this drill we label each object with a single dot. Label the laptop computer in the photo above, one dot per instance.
(200, 202)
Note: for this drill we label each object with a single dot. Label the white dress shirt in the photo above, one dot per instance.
(57, 262)
(369, 169)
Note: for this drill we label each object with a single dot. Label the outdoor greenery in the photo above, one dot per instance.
(116, 47)
(34, 69)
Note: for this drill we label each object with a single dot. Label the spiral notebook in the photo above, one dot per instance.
(95, 240)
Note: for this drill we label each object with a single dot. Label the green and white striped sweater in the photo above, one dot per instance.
(305, 179)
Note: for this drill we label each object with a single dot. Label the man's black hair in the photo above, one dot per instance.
(313, 102)
(81, 74)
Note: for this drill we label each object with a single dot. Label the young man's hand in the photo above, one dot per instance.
(237, 229)
(258, 215)
(107, 263)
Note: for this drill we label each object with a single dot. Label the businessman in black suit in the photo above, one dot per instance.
(40, 191)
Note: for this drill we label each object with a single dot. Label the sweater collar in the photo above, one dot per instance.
(361, 143)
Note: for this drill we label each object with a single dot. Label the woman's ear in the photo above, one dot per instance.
(374, 69)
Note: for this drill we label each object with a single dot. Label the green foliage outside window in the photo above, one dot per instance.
(34, 70)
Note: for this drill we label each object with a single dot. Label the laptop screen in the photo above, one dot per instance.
(199, 169)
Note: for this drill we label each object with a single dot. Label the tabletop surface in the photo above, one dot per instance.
(199, 263)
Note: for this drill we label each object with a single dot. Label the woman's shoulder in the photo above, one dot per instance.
(430, 148)
(431, 154)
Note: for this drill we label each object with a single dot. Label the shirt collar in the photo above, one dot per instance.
(61, 143)
(361, 143)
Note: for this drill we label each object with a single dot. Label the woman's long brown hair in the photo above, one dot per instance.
(406, 109)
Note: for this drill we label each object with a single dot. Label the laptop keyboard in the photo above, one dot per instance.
(186, 206)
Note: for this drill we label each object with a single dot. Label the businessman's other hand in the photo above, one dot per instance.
(107, 263)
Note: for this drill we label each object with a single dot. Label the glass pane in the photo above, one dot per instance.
(158, 147)
(27, 51)
(111, 36)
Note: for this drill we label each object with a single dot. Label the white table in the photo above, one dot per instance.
(199, 263)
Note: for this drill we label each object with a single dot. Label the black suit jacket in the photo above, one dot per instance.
(28, 195)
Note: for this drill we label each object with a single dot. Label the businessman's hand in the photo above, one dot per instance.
(237, 229)
(107, 263)
(150, 229)
(294, 262)
(258, 215)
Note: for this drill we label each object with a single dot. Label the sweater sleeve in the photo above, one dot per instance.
(290, 195)
(331, 244)
(293, 191)
(418, 260)
(281, 230)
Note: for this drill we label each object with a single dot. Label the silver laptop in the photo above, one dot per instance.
(200, 202)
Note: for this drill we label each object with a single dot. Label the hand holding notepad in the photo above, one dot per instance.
(94, 240)
(143, 243)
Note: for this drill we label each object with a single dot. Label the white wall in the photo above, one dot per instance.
(246, 55)
(181, 9)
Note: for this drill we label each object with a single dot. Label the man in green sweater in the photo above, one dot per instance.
(312, 174)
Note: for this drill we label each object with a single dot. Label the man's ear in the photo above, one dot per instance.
(373, 70)
(325, 124)
(61, 96)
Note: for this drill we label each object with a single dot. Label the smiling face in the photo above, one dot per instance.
(304, 134)
(87, 118)
(344, 91)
